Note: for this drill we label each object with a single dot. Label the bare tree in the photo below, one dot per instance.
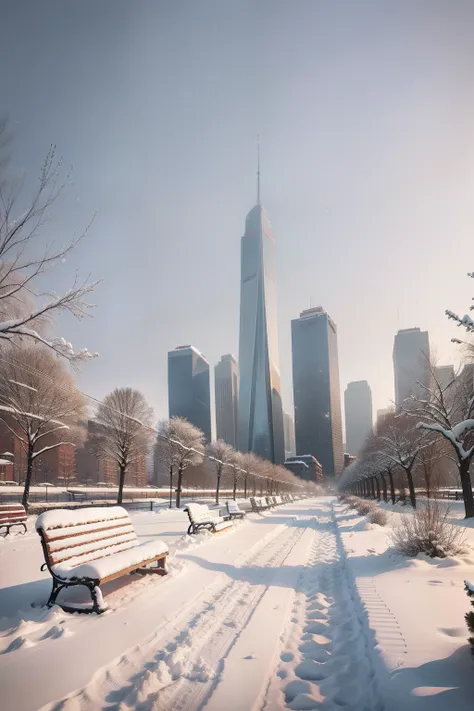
(447, 411)
(465, 322)
(236, 469)
(39, 404)
(403, 444)
(250, 464)
(24, 304)
(179, 445)
(125, 431)
(220, 454)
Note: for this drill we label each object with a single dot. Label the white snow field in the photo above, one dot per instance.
(302, 607)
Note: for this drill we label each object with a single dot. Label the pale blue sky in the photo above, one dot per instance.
(366, 117)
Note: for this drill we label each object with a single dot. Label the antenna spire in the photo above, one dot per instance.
(258, 169)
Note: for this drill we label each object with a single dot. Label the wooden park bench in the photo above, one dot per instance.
(201, 517)
(12, 515)
(278, 500)
(233, 510)
(92, 546)
(258, 504)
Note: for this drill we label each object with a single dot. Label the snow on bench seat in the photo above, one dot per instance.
(92, 546)
(234, 510)
(201, 517)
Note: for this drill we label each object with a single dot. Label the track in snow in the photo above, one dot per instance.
(180, 668)
(327, 657)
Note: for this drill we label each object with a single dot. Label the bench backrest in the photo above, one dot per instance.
(278, 499)
(85, 535)
(12, 513)
(233, 507)
(198, 513)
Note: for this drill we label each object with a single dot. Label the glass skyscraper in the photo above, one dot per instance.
(188, 387)
(260, 415)
(318, 422)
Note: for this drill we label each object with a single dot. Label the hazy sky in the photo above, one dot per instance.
(366, 117)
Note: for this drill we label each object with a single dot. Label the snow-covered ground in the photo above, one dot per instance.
(303, 607)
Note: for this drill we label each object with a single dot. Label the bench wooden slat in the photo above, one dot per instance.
(93, 547)
(58, 544)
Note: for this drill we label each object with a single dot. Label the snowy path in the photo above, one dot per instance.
(327, 660)
(300, 608)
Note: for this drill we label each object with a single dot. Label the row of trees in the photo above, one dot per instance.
(427, 444)
(42, 409)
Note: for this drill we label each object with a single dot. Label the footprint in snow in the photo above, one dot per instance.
(309, 670)
(294, 688)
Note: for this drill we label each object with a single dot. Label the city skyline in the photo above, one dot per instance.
(203, 185)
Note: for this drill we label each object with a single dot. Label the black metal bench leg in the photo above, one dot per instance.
(57, 587)
(24, 526)
(95, 603)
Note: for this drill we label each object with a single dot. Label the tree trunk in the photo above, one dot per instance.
(378, 487)
(178, 490)
(171, 486)
(384, 488)
(466, 487)
(218, 486)
(392, 487)
(122, 470)
(254, 486)
(411, 487)
(372, 487)
(29, 470)
(245, 486)
(235, 489)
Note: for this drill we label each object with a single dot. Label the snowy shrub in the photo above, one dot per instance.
(428, 531)
(353, 501)
(365, 507)
(469, 616)
(378, 516)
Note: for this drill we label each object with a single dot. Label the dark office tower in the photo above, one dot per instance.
(226, 379)
(411, 355)
(358, 410)
(260, 419)
(188, 387)
(318, 422)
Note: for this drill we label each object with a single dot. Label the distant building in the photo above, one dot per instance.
(358, 412)
(381, 415)
(305, 467)
(444, 374)
(189, 388)
(411, 354)
(226, 381)
(56, 465)
(348, 460)
(260, 428)
(289, 431)
(318, 421)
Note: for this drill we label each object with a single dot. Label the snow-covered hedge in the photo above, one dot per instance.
(428, 531)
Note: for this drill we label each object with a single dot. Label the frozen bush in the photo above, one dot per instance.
(365, 507)
(428, 531)
(378, 516)
(353, 502)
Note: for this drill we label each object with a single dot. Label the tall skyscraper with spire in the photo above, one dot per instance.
(260, 415)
